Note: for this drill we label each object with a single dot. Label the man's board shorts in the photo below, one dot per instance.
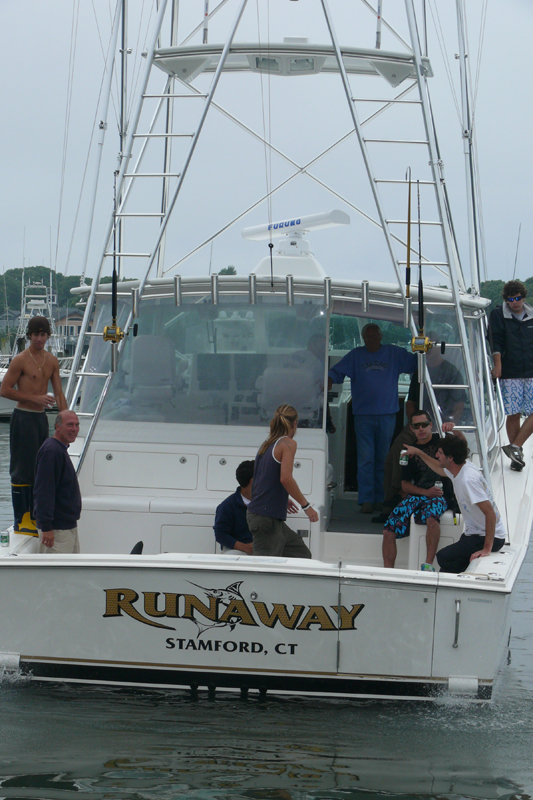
(422, 507)
(28, 430)
(517, 394)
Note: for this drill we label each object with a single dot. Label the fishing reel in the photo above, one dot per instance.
(112, 333)
(422, 344)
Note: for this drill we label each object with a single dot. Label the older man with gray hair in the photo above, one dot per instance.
(57, 498)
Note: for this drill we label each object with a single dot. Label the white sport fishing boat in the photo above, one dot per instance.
(171, 408)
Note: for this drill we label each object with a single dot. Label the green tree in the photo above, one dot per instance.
(228, 270)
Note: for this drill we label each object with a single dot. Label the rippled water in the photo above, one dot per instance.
(82, 742)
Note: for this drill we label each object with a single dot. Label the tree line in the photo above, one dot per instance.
(11, 286)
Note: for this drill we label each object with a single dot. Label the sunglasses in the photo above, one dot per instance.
(417, 425)
(514, 299)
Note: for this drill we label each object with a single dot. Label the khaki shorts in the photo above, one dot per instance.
(273, 537)
(65, 541)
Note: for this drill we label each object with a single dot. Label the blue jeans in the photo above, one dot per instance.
(374, 434)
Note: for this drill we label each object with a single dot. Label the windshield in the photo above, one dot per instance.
(230, 364)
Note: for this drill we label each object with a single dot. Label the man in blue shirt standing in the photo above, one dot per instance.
(231, 529)
(56, 493)
(374, 371)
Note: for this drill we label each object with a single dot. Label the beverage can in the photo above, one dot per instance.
(404, 458)
(4, 539)
(438, 485)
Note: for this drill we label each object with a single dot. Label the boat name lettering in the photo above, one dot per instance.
(222, 611)
(288, 223)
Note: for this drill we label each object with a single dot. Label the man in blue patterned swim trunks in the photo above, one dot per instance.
(421, 497)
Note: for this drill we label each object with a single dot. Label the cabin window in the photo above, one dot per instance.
(230, 364)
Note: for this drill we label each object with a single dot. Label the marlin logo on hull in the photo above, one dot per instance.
(226, 607)
(224, 596)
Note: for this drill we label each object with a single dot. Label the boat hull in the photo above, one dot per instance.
(278, 625)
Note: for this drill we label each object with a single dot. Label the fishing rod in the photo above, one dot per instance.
(420, 343)
(112, 333)
(408, 299)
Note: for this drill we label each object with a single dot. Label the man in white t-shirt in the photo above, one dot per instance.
(484, 532)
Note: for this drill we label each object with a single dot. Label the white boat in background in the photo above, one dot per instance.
(169, 410)
(37, 300)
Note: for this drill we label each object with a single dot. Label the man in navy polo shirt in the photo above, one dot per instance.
(231, 529)
(56, 493)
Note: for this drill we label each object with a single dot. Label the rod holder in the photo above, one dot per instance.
(290, 290)
(327, 292)
(252, 288)
(135, 303)
(407, 312)
(214, 289)
(365, 287)
(421, 375)
(114, 357)
(177, 290)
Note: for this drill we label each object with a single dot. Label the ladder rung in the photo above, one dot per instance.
(404, 222)
(387, 101)
(450, 386)
(397, 141)
(91, 374)
(403, 182)
(163, 135)
(141, 214)
(439, 304)
(428, 263)
(96, 333)
(157, 175)
(129, 255)
(108, 294)
(84, 414)
(167, 96)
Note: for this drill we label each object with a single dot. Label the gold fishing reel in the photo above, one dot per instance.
(422, 344)
(112, 333)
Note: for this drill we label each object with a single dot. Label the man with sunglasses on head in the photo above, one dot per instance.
(421, 497)
(511, 340)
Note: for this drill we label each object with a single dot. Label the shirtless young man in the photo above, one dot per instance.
(30, 372)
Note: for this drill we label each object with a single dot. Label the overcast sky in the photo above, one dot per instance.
(37, 47)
